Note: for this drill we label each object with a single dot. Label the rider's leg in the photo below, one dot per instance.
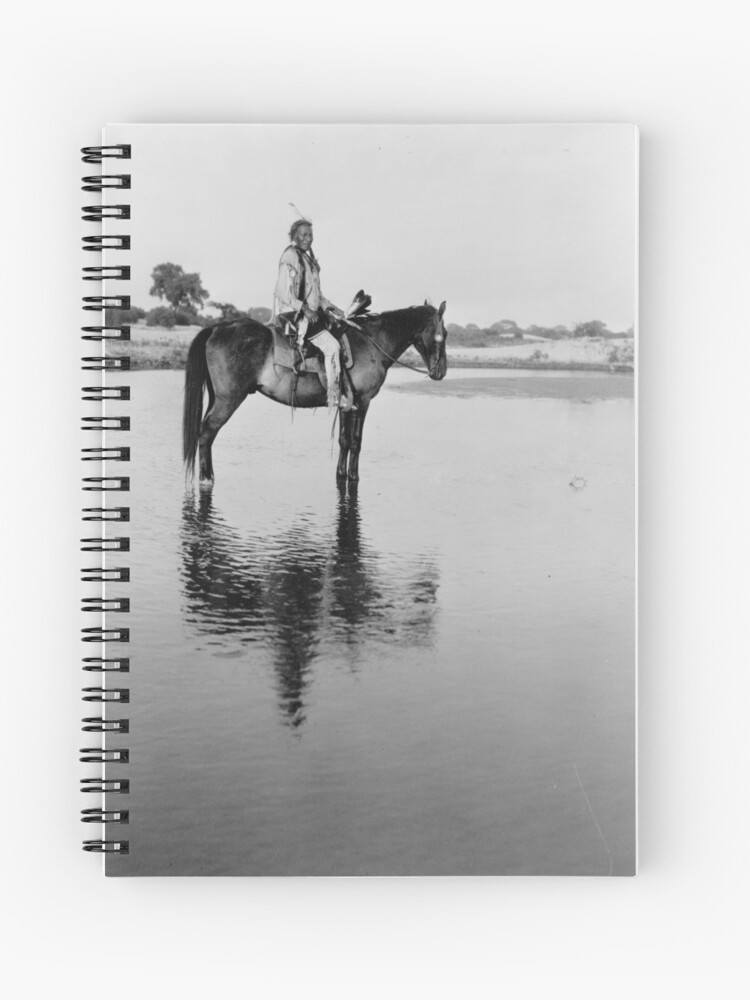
(302, 330)
(328, 344)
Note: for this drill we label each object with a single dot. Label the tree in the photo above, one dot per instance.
(505, 326)
(181, 290)
(593, 328)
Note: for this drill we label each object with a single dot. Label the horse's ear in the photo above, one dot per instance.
(441, 310)
(426, 302)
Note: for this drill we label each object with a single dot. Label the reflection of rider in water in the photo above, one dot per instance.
(298, 297)
(301, 591)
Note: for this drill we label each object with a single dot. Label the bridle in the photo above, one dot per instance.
(439, 338)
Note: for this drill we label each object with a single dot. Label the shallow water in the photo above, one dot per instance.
(431, 673)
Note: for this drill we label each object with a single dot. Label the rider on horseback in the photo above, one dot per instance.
(299, 299)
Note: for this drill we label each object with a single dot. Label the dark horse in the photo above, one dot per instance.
(235, 359)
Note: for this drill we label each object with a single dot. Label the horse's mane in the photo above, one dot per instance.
(377, 321)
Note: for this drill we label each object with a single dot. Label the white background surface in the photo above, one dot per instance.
(677, 70)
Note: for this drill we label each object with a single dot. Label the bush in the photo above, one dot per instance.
(185, 317)
(118, 317)
(227, 310)
(623, 355)
(260, 313)
(161, 316)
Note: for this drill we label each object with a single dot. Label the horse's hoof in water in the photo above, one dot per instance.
(205, 484)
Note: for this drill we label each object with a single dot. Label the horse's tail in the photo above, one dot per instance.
(196, 379)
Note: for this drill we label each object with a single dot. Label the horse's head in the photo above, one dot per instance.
(430, 342)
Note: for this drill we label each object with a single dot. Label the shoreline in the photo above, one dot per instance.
(159, 351)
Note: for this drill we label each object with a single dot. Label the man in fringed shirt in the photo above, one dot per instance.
(298, 297)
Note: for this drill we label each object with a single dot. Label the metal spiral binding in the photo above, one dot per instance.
(98, 393)
(95, 213)
(97, 332)
(98, 303)
(103, 182)
(95, 244)
(112, 785)
(106, 514)
(107, 846)
(99, 634)
(120, 272)
(103, 665)
(105, 545)
(109, 728)
(96, 154)
(106, 365)
(98, 574)
(105, 454)
(107, 484)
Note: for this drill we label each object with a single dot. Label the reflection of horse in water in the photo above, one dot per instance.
(301, 592)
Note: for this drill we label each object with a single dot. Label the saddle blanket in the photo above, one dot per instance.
(285, 356)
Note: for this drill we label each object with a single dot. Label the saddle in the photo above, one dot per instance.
(287, 355)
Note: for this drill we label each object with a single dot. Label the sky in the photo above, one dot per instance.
(534, 223)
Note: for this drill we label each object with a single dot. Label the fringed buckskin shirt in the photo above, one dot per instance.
(289, 282)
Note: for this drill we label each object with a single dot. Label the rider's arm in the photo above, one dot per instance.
(287, 283)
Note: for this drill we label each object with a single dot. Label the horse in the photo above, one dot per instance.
(235, 358)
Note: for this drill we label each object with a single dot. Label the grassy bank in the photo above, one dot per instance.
(152, 354)
(164, 351)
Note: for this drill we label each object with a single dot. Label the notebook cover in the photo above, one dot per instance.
(420, 659)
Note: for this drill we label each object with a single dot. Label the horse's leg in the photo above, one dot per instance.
(217, 416)
(233, 360)
(345, 424)
(355, 439)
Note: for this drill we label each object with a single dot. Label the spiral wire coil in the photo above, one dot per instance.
(110, 757)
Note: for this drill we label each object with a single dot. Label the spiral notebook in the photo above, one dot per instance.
(360, 481)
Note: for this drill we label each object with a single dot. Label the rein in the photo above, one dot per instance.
(419, 371)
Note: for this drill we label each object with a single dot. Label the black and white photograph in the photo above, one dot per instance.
(381, 559)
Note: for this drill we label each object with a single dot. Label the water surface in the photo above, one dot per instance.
(431, 673)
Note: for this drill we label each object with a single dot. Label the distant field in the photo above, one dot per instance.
(158, 348)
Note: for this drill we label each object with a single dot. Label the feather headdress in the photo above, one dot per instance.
(301, 215)
(301, 220)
